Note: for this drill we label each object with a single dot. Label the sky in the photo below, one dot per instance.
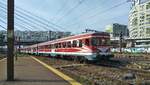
(77, 15)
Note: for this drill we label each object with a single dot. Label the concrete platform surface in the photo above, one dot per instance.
(30, 72)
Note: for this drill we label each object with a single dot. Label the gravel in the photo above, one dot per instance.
(98, 74)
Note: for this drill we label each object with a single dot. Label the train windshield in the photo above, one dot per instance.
(100, 41)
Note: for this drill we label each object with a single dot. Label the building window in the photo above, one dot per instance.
(142, 17)
(148, 6)
(148, 31)
(135, 22)
(148, 15)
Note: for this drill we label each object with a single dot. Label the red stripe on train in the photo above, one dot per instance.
(67, 50)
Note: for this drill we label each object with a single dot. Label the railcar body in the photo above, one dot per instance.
(89, 46)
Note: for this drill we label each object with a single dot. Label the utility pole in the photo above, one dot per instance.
(10, 40)
(121, 38)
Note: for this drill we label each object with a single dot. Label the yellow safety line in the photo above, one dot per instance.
(65, 77)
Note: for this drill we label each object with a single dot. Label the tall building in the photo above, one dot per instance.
(115, 29)
(139, 19)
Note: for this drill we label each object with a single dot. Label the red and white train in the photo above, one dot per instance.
(87, 46)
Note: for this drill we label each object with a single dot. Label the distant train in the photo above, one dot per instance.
(87, 46)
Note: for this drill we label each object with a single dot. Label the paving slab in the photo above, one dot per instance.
(30, 72)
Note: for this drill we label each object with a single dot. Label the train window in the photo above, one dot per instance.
(99, 41)
(59, 45)
(87, 42)
(74, 43)
(56, 45)
(105, 42)
(64, 44)
(80, 43)
(53, 46)
(34, 49)
(95, 41)
(49, 46)
(69, 44)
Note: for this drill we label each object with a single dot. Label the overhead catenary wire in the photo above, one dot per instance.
(3, 27)
(100, 13)
(16, 24)
(27, 20)
(35, 18)
(61, 9)
(22, 20)
(86, 12)
(57, 27)
(106, 10)
(70, 11)
(3, 17)
(125, 14)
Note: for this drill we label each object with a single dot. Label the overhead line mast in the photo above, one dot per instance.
(10, 40)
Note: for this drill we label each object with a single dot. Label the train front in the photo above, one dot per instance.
(101, 47)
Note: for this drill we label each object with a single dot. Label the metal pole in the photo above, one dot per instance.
(19, 44)
(10, 40)
(121, 37)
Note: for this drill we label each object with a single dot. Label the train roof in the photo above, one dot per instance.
(71, 37)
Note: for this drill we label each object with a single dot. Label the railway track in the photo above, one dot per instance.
(140, 74)
(95, 79)
(119, 65)
(105, 71)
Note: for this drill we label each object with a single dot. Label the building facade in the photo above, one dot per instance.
(139, 19)
(37, 36)
(115, 29)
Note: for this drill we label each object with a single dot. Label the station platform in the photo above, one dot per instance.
(30, 72)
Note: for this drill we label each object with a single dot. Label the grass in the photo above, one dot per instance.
(21, 55)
